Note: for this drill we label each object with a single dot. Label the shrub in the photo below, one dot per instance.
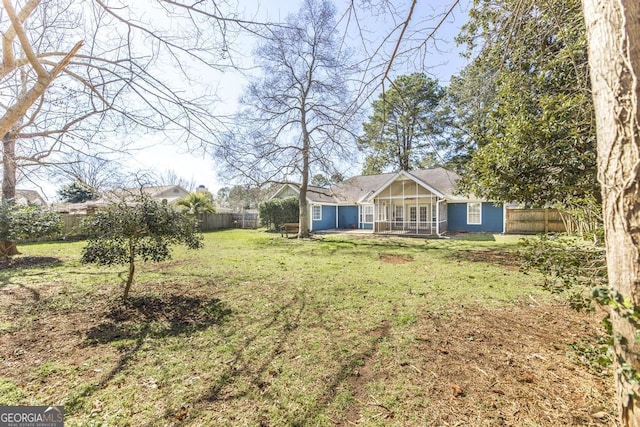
(142, 229)
(276, 212)
(19, 222)
(571, 266)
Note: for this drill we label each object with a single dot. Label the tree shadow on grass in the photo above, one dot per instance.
(155, 317)
(10, 267)
(14, 266)
(28, 262)
(281, 326)
(147, 317)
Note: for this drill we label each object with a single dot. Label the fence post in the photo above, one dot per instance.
(546, 220)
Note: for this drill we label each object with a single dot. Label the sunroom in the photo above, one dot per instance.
(408, 206)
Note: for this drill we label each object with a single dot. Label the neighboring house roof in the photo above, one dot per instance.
(170, 193)
(363, 188)
(24, 197)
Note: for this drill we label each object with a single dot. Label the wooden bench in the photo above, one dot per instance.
(289, 228)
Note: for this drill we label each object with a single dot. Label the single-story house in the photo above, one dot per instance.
(29, 197)
(420, 202)
(164, 193)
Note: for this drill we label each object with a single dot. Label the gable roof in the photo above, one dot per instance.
(440, 179)
(363, 188)
(358, 188)
(29, 196)
(314, 194)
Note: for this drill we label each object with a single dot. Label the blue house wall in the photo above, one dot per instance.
(347, 216)
(492, 218)
(328, 220)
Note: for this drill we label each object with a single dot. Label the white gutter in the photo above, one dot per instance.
(504, 218)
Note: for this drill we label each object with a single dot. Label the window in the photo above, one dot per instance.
(423, 214)
(474, 213)
(367, 214)
(383, 210)
(316, 212)
(413, 214)
(399, 213)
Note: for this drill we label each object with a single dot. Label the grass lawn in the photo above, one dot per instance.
(259, 330)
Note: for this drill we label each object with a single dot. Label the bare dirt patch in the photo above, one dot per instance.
(510, 366)
(395, 259)
(510, 260)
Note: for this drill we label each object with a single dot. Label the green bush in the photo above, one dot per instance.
(141, 229)
(571, 266)
(276, 212)
(20, 222)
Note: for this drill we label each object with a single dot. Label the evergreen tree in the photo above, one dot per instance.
(406, 126)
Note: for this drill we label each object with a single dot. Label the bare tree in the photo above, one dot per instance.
(171, 177)
(613, 28)
(297, 115)
(96, 171)
(74, 72)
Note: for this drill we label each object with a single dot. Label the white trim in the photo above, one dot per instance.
(504, 218)
(407, 175)
(364, 214)
(438, 201)
(479, 213)
(284, 186)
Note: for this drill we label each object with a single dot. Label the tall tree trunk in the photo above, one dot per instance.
(303, 217)
(132, 270)
(7, 247)
(613, 30)
(8, 167)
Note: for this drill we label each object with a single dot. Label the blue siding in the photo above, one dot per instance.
(492, 218)
(328, 220)
(347, 216)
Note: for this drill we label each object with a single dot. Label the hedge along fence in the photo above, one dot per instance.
(72, 224)
(276, 212)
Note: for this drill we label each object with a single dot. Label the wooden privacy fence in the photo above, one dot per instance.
(534, 221)
(216, 221)
(71, 224)
(209, 222)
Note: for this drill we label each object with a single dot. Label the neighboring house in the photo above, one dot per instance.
(420, 202)
(29, 197)
(165, 193)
